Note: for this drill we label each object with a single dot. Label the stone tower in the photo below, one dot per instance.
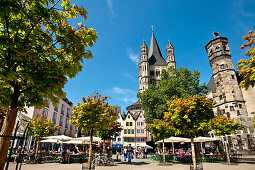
(227, 95)
(170, 55)
(152, 63)
(144, 78)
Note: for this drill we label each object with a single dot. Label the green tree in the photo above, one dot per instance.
(189, 116)
(110, 132)
(175, 83)
(39, 51)
(247, 67)
(92, 116)
(161, 130)
(41, 127)
(224, 126)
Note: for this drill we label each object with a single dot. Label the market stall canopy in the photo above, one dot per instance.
(49, 141)
(206, 139)
(87, 138)
(143, 145)
(77, 142)
(59, 137)
(187, 140)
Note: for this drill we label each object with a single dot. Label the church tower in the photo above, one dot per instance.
(144, 79)
(227, 94)
(170, 55)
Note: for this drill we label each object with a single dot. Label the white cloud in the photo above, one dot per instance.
(109, 5)
(133, 56)
(126, 95)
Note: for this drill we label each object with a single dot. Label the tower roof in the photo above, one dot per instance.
(155, 56)
(143, 44)
(169, 45)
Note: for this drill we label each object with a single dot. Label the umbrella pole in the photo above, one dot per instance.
(173, 146)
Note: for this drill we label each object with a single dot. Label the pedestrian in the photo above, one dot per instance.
(125, 153)
(118, 153)
(129, 153)
(145, 152)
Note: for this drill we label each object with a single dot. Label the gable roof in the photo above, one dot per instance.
(155, 56)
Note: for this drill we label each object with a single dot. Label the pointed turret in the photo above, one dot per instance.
(155, 56)
(144, 68)
(170, 55)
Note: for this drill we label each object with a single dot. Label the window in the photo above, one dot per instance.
(119, 139)
(152, 73)
(217, 49)
(142, 123)
(128, 139)
(211, 52)
(224, 47)
(142, 139)
(240, 106)
(138, 123)
(63, 109)
(232, 76)
(132, 140)
(71, 127)
(56, 108)
(128, 116)
(125, 139)
(67, 112)
(54, 118)
(142, 131)
(65, 132)
(138, 130)
(138, 139)
(233, 91)
(220, 97)
(222, 66)
(59, 132)
(61, 121)
(133, 131)
(232, 108)
(218, 84)
(140, 116)
(45, 113)
(118, 117)
(157, 73)
(128, 131)
(67, 121)
(127, 123)
(125, 131)
(130, 124)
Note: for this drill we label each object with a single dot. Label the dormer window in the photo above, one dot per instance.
(217, 49)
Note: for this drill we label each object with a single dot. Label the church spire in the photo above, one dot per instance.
(154, 48)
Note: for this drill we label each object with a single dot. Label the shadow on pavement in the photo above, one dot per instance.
(132, 163)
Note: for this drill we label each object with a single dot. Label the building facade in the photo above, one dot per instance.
(231, 100)
(128, 132)
(118, 140)
(141, 131)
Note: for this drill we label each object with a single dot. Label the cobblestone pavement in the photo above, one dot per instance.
(137, 164)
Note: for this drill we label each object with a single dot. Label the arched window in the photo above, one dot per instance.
(224, 47)
(211, 52)
(217, 49)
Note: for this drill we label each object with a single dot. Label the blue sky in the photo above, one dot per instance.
(122, 25)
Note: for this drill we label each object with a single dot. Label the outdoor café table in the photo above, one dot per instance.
(75, 158)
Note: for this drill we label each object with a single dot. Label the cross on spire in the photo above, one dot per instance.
(152, 27)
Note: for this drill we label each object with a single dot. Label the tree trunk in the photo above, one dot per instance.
(37, 148)
(227, 152)
(164, 153)
(193, 153)
(103, 147)
(90, 150)
(8, 127)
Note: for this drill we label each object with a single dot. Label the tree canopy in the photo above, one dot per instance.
(39, 49)
(189, 115)
(247, 67)
(41, 127)
(175, 83)
(224, 126)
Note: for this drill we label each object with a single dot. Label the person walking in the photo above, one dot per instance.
(129, 153)
(125, 153)
(118, 153)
